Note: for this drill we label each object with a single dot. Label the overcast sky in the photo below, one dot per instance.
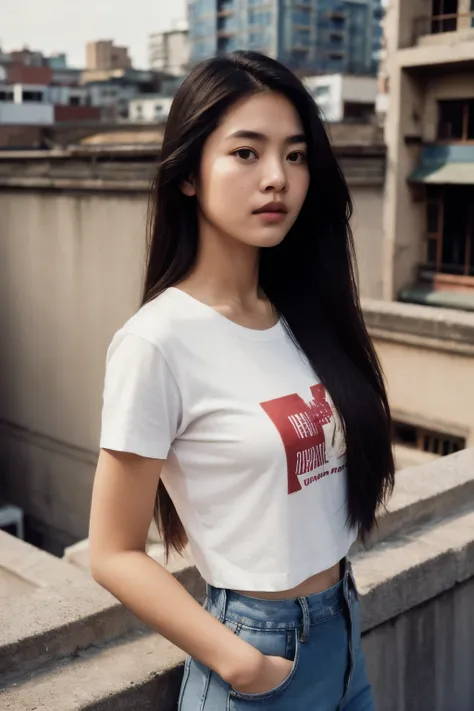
(66, 25)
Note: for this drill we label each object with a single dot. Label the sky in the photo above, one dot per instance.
(66, 25)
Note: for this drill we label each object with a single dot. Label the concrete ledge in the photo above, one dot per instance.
(418, 561)
(142, 672)
(404, 572)
(427, 492)
(448, 53)
(64, 610)
(441, 328)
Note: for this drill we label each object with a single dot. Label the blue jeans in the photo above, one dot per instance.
(320, 633)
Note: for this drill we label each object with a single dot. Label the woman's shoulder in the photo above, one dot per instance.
(158, 321)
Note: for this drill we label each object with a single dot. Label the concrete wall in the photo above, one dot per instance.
(367, 225)
(404, 244)
(26, 113)
(427, 355)
(423, 659)
(71, 270)
(425, 386)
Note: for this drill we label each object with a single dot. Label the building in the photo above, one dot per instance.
(150, 109)
(169, 51)
(383, 83)
(429, 203)
(344, 97)
(315, 36)
(30, 58)
(104, 54)
(31, 111)
(114, 89)
(44, 104)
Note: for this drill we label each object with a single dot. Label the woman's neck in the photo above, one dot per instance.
(226, 270)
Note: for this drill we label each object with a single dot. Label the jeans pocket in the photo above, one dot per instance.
(274, 643)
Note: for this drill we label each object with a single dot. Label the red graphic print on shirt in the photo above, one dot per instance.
(300, 425)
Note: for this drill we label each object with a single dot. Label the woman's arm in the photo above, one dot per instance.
(123, 499)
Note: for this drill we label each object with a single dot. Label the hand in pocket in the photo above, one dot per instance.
(274, 671)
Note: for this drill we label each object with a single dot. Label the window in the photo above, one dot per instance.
(6, 95)
(259, 18)
(256, 37)
(456, 120)
(444, 16)
(34, 96)
(302, 16)
(74, 101)
(301, 38)
(358, 111)
(321, 91)
(426, 440)
(450, 229)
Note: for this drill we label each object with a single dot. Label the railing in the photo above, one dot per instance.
(439, 24)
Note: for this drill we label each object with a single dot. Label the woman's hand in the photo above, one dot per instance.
(273, 671)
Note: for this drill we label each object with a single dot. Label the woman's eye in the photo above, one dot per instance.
(245, 154)
(297, 157)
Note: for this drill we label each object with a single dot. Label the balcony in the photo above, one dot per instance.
(438, 40)
(440, 24)
(338, 15)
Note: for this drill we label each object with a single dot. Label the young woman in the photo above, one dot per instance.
(245, 396)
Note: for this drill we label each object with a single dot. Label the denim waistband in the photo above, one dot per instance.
(283, 614)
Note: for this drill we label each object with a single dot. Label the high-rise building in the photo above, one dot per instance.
(105, 55)
(315, 36)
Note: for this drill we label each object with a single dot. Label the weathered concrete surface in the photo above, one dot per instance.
(423, 660)
(439, 488)
(407, 457)
(64, 610)
(142, 672)
(427, 355)
(406, 571)
(416, 595)
(454, 328)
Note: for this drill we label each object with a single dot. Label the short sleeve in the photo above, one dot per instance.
(141, 408)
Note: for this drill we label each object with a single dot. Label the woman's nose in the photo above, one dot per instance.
(274, 177)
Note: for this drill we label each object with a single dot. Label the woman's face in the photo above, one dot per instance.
(254, 174)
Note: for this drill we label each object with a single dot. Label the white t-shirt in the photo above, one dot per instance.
(255, 456)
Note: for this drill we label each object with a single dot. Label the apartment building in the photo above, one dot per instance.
(327, 36)
(429, 205)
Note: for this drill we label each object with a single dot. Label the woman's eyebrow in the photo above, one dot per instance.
(257, 136)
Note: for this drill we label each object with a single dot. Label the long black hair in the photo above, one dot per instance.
(309, 277)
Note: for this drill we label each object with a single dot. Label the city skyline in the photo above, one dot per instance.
(55, 26)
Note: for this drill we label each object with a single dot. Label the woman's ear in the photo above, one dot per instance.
(188, 187)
